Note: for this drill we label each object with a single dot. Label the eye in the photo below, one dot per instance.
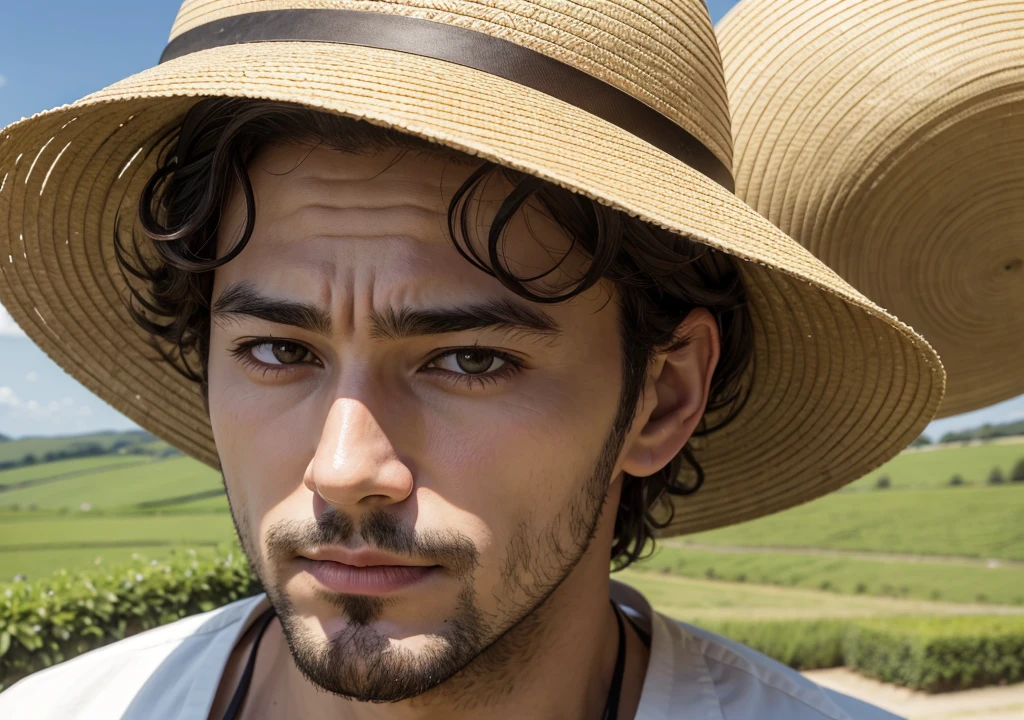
(469, 361)
(280, 352)
(475, 368)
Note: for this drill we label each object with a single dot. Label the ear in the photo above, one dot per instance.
(674, 396)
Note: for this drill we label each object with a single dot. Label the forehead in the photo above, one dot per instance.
(326, 218)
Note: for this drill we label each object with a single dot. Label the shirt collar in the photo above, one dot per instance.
(678, 685)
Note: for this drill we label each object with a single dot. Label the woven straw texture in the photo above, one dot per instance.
(888, 138)
(839, 385)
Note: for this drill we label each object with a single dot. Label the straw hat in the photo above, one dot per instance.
(887, 136)
(621, 101)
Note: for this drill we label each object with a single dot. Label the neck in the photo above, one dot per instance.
(557, 663)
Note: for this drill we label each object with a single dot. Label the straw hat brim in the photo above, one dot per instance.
(888, 138)
(839, 386)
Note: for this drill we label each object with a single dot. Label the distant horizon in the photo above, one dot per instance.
(6, 437)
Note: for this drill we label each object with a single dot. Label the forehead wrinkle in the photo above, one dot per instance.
(395, 172)
(329, 207)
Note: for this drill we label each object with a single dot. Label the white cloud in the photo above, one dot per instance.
(8, 398)
(3, 81)
(50, 411)
(7, 324)
(31, 377)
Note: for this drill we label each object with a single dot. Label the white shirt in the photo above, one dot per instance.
(172, 673)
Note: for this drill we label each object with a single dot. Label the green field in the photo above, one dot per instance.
(203, 505)
(127, 530)
(39, 564)
(64, 468)
(950, 582)
(17, 449)
(35, 545)
(118, 487)
(983, 522)
(692, 600)
(930, 468)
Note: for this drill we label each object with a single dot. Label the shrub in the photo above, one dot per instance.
(996, 477)
(883, 482)
(43, 623)
(1018, 472)
(957, 480)
(938, 654)
(46, 622)
(801, 644)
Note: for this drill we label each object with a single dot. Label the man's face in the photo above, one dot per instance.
(415, 456)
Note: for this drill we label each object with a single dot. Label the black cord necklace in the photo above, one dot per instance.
(611, 704)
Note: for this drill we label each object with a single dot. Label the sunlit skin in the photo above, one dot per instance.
(356, 418)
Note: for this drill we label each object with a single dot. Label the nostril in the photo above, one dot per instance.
(1013, 265)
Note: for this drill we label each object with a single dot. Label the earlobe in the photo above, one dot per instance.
(675, 396)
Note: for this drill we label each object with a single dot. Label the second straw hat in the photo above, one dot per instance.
(887, 136)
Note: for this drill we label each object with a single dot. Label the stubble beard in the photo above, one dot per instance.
(472, 661)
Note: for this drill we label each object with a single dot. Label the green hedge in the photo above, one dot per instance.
(801, 644)
(933, 654)
(938, 654)
(46, 622)
(43, 623)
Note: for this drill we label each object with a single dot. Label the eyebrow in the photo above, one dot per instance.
(242, 299)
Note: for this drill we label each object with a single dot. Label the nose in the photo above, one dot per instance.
(355, 466)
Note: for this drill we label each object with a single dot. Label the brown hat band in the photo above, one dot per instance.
(462, 46)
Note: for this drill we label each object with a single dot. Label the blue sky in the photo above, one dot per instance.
(56, 51)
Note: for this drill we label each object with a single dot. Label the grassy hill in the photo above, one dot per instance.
(116, 486)
(986, 432)
(929, 468)
(984, 522)
(11, 450)
(945, 581)
(73, 513)
(52, 472)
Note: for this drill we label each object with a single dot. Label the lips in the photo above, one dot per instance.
(364, 571)
(349, 579)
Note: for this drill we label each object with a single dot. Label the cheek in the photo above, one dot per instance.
(509, 462)
(261, 435)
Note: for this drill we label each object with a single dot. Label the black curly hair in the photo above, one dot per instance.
(660, 276)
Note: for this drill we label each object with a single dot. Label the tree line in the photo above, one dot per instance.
(93, 449)
(995, 477)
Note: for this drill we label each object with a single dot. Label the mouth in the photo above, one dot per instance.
(364, 573)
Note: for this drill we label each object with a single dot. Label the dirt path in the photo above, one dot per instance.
(992, 703)
(855, 554)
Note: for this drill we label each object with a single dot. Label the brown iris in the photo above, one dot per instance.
(288, 353)
(474, 362)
